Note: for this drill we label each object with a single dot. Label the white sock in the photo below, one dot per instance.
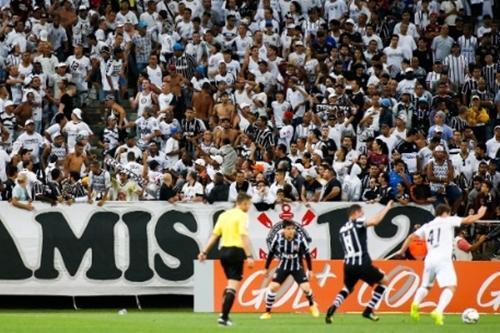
(444, 300)
(420, 295)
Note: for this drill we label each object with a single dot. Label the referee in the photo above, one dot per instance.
(232, 230)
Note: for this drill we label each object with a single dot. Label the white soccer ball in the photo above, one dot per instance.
(470, 316)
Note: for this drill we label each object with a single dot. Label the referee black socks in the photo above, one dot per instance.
(227, 303)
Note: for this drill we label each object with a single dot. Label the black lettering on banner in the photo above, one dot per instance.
(98, 236)
(336, 219)
(182, 247)
(11, 264)
(138, 269)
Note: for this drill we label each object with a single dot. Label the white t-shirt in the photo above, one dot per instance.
(4, 159)
(72, 130)
(171, 146)
(439, 235)
(190, 192)
(33, 142)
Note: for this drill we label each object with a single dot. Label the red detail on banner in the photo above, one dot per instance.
(308, 217)
(314, 253)
(262, 254)
(265, 220)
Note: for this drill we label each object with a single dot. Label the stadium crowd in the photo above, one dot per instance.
(313, 100)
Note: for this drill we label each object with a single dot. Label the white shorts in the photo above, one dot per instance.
(443, 272)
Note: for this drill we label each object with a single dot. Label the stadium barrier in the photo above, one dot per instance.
(145, 248)
(478, 287)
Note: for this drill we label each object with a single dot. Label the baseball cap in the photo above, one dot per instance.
(61, 64)
(200, 162)
(55, 135)
(178, 47)
(423, 100)
(288, 115)
(497, 127)
(299, 43)
(217, 158)
(441, 114)
(298, 166)
(349, 21)
(438, 129)
(475, 97)
(78, 113)
(439, 148)
(402, 117)
(244, 105)
(408, 69)
(82, 7)
(28, 122)
(8, 103)
(385, 102)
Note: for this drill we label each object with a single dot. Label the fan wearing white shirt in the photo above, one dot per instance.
(74, 127)
(30, 140)
(192, 190)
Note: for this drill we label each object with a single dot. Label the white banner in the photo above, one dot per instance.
(149, 247)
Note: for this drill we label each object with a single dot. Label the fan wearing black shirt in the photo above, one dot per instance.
(67, 101)
(9, 184)
(333, 188)
(311, 190)
(409, 150)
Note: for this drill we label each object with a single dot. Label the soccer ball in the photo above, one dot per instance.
(470, 316)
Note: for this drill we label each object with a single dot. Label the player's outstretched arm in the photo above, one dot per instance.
(473, 218)
(211, 242)
(375, 220)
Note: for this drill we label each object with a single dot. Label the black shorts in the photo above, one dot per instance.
(367, 273)
(232, 260)
(281, 274)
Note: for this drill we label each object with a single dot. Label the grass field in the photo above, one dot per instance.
(108, 321)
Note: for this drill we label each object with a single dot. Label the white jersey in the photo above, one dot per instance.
(144, 101)
(439, 235)
(79, 69)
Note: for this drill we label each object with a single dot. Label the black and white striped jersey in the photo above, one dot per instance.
(290, 252)
(353, 240)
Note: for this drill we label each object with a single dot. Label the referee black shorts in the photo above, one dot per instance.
(232, 260)
(367, 273)
(298, 275)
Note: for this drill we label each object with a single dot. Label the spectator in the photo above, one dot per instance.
(21, 193)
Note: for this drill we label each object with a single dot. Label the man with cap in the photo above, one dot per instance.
(440, 126)
(407, 85)
(184, 63)
(8, 119)
(172, 148)
(143, 44)
(74, 127)
(57, 148)
(440, 173)
(32, 141)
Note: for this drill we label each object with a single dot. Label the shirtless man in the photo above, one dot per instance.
(75, 160)
(203, 102)
(117, 110)
(226, 133)
(225, 109)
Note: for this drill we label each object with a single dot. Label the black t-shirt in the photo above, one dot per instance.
(68, 102)
(332, 183)
(7, 192)
(312, 186)
(167, 192)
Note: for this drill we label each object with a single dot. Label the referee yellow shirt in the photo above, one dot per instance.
(230, 226)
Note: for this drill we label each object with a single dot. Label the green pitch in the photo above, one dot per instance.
(107, 321)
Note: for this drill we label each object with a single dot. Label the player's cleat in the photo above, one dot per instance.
(437, 317)
(370, 315)
(265, 316)
(224, 322)
(314, 310)
(329, 314)
(414, 314)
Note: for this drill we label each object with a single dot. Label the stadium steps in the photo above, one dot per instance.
(94, 115)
